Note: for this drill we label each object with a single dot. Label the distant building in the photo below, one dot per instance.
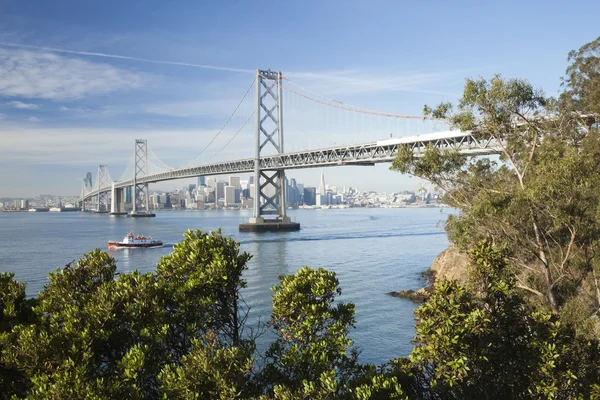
(201, 181)
(322, 187)
(220, 190)
(310, 196)
(229, 196)
(88, 180)
(24, 204)
(235, 182)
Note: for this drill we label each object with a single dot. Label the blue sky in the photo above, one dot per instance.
(65, 108)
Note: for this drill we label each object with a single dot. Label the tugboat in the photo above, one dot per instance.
(136, 241)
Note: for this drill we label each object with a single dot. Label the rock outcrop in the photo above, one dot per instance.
(450, 264)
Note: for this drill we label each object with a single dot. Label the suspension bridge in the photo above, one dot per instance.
(265, 156)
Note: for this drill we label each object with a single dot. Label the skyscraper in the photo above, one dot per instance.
(322, 189)
(235, 182)
(201, 181)
(88, 180)
(309, 196)
(229, 196)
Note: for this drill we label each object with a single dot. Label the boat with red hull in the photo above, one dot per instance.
(132, 240)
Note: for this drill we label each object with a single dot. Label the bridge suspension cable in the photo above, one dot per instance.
(233, 137)
(345, 106)
(165, 166)
(226, 122)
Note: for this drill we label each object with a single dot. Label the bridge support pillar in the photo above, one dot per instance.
(269, 184)
(141, 195)
(117, 201)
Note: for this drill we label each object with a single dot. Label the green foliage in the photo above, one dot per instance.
(582, 80)
(106, 335)
(15, 310)
(312, 331)
(209, 371)
(539, 200)
(486, 342)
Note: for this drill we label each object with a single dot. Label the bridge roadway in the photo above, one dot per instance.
(361, 154)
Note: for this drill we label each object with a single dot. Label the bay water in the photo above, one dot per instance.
(372, 251)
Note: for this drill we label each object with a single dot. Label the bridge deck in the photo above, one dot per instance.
(361, 154)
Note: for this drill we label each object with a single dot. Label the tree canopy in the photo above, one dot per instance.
(539, 198)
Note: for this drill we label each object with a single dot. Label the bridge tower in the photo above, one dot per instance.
(102, 202)
(269, 184)
(141, 194)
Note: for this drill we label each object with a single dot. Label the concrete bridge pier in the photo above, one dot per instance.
(117, 203)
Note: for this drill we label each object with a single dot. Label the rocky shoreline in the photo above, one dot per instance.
(450, 264)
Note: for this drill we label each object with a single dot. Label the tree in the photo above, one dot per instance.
(15, 310)
(101, 334)
(539, 200)
(483, 341)
(312, 351)
(582, 80)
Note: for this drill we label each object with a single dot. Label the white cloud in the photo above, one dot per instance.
(1, 116)
(356, 81)
(33, 119)
(23, 106)
(50, 76)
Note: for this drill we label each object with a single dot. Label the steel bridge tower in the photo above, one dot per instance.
(141, 194)
(102, 202)
(269, 184)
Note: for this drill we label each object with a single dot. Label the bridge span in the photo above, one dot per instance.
(358, 155)
(270, 160)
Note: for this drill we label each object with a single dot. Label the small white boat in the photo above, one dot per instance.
(136, 241)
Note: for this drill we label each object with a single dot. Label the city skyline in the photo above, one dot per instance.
(90, 78)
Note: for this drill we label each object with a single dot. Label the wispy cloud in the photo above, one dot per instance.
(120, 57)
(23, 106)
(357, 81)
(49, 76)
(33, 119)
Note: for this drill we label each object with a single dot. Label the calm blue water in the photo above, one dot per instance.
(372, 251)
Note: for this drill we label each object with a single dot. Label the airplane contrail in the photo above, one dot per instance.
(119, 57)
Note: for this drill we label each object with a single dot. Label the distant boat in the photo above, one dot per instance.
(136, 241)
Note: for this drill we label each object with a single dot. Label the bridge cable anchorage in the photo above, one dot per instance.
(227, 122)
(233, 137)
(349, 107)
